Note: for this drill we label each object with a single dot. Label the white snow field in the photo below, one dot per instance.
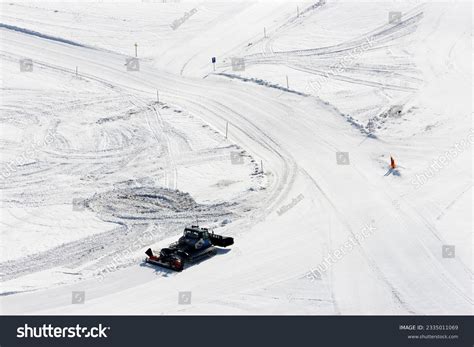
(96, 167)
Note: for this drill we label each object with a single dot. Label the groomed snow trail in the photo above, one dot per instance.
(397, 269)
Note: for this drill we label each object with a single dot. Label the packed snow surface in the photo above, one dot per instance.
(284, 144)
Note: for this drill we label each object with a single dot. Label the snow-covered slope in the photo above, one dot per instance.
(96, 167)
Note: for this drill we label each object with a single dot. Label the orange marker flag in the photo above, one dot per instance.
(392, 163)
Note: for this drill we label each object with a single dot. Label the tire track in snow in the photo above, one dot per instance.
(370, 261)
